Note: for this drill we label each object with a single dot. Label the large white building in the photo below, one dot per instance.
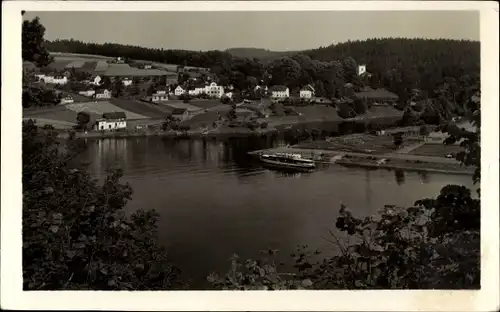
(55, 79)
(213, 90)
(111, 121)
(280, 92)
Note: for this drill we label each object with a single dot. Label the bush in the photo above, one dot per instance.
(75, 233)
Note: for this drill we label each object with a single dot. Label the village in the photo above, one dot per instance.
(119, 94)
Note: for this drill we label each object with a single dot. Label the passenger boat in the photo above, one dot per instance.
(287, 161)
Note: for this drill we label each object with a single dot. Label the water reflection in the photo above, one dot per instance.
(399, 175)
(424, 177)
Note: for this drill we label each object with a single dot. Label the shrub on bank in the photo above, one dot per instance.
(75, 233)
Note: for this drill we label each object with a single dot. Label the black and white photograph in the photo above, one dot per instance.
(278, 149)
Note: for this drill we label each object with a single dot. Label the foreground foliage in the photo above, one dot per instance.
(75, 233)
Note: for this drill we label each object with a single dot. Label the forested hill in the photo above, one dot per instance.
(422, 61)
(414, 69)
(181, 57)
(261, 54)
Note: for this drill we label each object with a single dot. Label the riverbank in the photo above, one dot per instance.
(390, 161)
(194, 134)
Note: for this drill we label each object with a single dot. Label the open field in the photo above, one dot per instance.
(318, 112)
(436, 150)
(58, 113)
(142, 108)
(77, 56)
(205, 103)
(57, 124)
(370, 144)
(205, 119)
(100, 108)
(180, 104)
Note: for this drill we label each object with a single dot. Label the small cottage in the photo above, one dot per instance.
(88, 93)
(179, 91)
(159, 96)
(95, 80)
(102, 94)
(307, 92)
(111, 121)
(127, 82)
(180, 114)
(67, 100)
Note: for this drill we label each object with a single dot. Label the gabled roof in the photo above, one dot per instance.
(161, 88)
(114, 115)
(179, 111)
(307, 88)
(279, 88)
(100, 90)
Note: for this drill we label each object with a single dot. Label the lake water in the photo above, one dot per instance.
(215, 200)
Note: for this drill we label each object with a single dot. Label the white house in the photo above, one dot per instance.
(213, 90)
(127, 82)
(262, 88)
(111, 121)
(67, 100)
(307, 92)
(159, 96)
(179, 91)
(88, 93)
(280, 92)
(361, 69)
(54, 79)
(102, 94)
(95, 80)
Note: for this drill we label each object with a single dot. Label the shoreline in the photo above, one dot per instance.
(395, 162)
(168, 134)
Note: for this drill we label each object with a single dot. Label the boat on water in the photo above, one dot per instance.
(287, 161)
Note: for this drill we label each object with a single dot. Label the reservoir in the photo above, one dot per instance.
(215, 200)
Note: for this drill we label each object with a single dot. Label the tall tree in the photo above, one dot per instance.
(33, 43)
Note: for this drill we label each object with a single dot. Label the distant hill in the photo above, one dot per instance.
(262, 54)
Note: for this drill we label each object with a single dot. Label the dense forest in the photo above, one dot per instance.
(261, 54)
(181, 57)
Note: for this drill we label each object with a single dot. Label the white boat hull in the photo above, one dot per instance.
(279, 164)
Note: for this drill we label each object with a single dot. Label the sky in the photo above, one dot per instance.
(278, 31)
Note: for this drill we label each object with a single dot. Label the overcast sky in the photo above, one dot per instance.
(279, 31)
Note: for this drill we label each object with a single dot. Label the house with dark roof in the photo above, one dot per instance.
(111, 121)
(180, 114)
(306, 92)
(280, 92)
(378, 96)
(101, 94)
(160, 95)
